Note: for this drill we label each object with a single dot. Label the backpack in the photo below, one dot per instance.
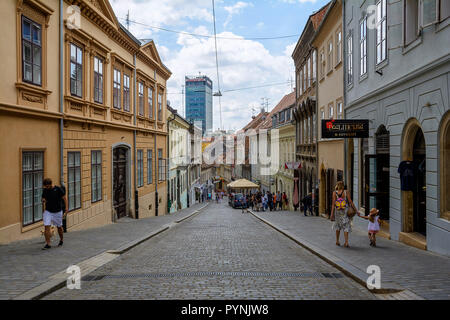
(341, 202)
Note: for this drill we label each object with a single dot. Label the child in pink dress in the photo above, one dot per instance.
(374, 225)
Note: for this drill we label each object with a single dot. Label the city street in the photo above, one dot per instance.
(218, 254)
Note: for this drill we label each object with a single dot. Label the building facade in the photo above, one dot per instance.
(305, 59)
(330, 102)
(397, 76)
(199, 104)
(179, 147)
(95, 123)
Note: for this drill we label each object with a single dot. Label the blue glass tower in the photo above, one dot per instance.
(199, 101)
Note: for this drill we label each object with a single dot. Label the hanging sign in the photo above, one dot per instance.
(345, 129)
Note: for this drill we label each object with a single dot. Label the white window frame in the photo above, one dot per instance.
(349, 70)
(338, 46)
(314, 66)
(379, 40)
(363, 46)
(421, 12)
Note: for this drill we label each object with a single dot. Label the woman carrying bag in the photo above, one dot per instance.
(341, 214)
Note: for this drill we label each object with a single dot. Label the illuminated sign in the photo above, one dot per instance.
(345, 129)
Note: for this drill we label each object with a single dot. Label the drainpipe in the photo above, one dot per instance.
(61, 100)
(316, 204)
(156, 176)
(136, 193)
(345, 92)
(168, 154)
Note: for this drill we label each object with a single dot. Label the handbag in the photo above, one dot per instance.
(351, 211)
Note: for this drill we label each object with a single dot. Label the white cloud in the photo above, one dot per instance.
(235, 9)
(242, 64)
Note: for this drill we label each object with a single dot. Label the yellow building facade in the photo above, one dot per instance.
(84, 103)
(330, 92)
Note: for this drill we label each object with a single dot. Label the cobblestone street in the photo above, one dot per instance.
(219, 254)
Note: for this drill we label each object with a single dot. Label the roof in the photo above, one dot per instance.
(315, 19)
(256, 121)
(242, 183)
(287, 101)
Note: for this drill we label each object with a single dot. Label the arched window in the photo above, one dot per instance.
(444, 167)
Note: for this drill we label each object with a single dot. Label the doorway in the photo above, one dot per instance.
(120, 181)
(419, 192)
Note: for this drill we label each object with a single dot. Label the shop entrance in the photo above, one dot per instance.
(419, 192)
(377, 175)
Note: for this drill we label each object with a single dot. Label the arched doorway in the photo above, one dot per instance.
(414, 199)
(121, 180)
(444, 146)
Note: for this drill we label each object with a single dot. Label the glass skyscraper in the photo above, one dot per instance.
(199, 101)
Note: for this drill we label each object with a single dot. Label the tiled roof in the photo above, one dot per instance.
(287, 101)
(317, 17)
(256, 121)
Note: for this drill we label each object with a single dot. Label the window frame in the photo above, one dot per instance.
(150, 103)
(363, 43)
(33, 45)
(161, 165)
(149, 166)
(140, 168)
(79, 67)
(421, 13)
(98, 61)
(141, 89)
(72, 169)
(117, 87)
(94, 168)
(314, 66)
(379, 25)
(160, 103)
(330, 55)
(349, 58)
(126, 92)
(33, 173)
(338, 52)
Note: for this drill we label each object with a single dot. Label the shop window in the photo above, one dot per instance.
(74, 178)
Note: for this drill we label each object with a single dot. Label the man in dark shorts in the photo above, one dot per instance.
(53, 214)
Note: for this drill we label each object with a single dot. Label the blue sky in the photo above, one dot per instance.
(242, 63)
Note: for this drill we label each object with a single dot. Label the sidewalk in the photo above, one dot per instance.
(24, 266)
(402, 267)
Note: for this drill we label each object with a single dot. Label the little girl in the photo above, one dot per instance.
(374, 225)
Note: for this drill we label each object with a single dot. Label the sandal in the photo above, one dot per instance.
(338, 244)
(346, 245)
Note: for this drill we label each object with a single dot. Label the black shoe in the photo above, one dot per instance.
(60, 243)
(46, 247)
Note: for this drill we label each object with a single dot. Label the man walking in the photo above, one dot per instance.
(53, 214)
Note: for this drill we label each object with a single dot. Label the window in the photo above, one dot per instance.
(314, 127)
(350, 58)
(288, 115)
(429, 12)
(140, 168)
(116, 89)
(338, 46)
(297, 83)
(141, 98)
(159, 106)
(281, 116)
(96, 176)
(31, 52)
(330, 55)
(381, 31)
(126, 92)
(76, 70)
(150, 103)
(149, 166)
(304, 77)
(445, 170)
(32, 176)
(161, 166)
(74, 178)
(363, 46)
(301, 81)
(339, 110)
(305, 132)
(309, 72)
(411, 23)
(364, 145)
(444, 10)
(331, 111)
(98, 80)
(322, 63)
(322, 114)
(274, 121)
(314, 67)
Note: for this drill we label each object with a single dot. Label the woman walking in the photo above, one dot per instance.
(339, 209)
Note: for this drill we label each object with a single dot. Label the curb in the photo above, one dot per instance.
(59, 280)
(349, 270)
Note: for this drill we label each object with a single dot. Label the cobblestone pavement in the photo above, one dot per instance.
(219, 254)
(23, 265)
(425, 273)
